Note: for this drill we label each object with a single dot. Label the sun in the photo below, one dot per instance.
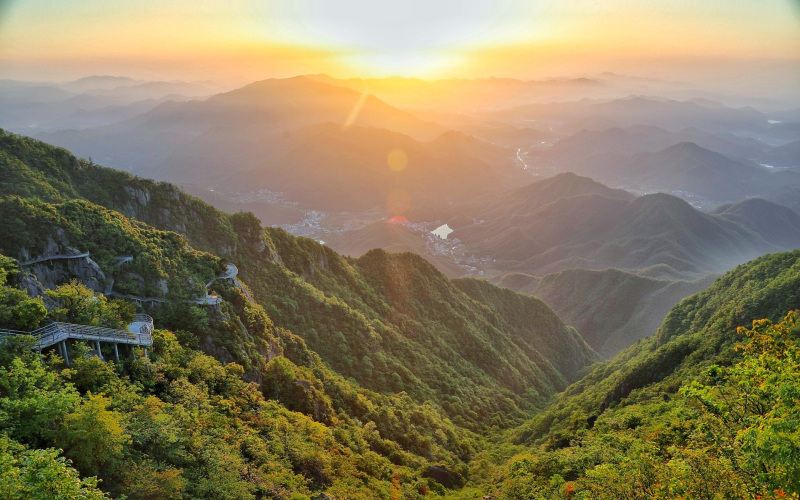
(414, 38)
(419, 64)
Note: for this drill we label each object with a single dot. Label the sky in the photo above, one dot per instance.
(244, 40)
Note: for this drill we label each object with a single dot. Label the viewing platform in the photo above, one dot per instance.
(138, 333)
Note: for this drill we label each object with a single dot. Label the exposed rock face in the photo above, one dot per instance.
(54, 245)
(163, 287)
(34, 288)
(140, 196)
(31, 285)
(50, 274)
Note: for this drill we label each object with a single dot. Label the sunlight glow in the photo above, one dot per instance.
(397, 160)
(248, 39)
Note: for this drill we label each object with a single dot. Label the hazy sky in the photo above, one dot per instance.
(241, 40)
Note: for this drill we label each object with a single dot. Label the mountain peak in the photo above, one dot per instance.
(663, 201)
(571, 184)
(688, 147)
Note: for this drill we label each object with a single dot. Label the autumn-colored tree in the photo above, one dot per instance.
(93, 436)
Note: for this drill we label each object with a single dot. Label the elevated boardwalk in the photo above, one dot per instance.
(139, 333)
(54, 257)
(230, 273)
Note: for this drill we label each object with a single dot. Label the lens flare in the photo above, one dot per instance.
(353, 116)
(397, 159)
(398, 202)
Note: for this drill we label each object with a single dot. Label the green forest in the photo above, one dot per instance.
(321, 376)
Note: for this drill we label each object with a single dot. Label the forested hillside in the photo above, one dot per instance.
(369, 377)
(698, 410)
(611, 308)
(396, 364)
(180, 423)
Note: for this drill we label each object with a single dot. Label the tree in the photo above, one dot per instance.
(753, 406)
(33, 401)
(93, 436)
(40, 474)
(18, 311)
(78, 304)
(143, 481)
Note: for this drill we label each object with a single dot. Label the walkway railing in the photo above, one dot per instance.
(140, 332)
(54, 257)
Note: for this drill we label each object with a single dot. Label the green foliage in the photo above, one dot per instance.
(374, 318)
(162, 261)
(93, 437)
(370, 320)
(298, 387)
(353, 377)
(181, 424)
(77, 304)
(691, 413)
(33, 401)
(18, 311)
(754, 405)
(33, 169)
(41, 474)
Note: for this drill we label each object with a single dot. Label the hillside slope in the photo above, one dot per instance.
(611, 308)
(465, 357)
(643, 418)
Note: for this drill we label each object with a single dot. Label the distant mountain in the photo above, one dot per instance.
(285, 104)
(570, 221)
(590, 152)
(784, 132)
(670, 114)
(474, 94)
(525, 201)
(89, 102)
(322, 146)
(775, 223)
(462, 147)
(786, 155)
(395, 237)
(328, 168)
(99, 82)
(690, 168)
(635, 159)
(609, 262)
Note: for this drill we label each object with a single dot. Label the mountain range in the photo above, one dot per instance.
(336, 140)
(704, 169)
(569, 221)
(331, 375)
(320, 374)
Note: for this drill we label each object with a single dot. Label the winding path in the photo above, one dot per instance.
(139, 332)
(54, 257)
(231, 272)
